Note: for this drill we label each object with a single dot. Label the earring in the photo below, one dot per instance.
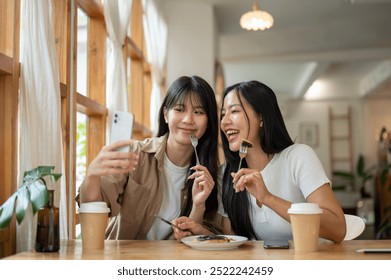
(261, 124)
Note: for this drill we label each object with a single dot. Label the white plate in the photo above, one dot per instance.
(238, 240)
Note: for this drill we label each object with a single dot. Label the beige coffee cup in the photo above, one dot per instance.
(93, 221)
(305, 221)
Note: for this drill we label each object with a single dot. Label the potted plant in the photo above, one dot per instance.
(357, 180)
(33, 190)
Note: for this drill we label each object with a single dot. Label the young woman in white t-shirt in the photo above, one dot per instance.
(275, 173)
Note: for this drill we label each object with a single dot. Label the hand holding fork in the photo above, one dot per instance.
(243, 151)
(242, 154)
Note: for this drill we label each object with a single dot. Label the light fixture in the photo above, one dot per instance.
(256, 19)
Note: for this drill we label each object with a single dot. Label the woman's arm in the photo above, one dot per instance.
(188, 227)
(332, 221)
(202, 187)
(108, 162)
(90, 189)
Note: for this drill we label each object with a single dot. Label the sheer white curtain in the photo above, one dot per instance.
(40, 140)
(117, 14)
(155, 31)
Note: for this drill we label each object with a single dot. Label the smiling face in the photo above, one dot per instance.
(185, 118)
(239, 121)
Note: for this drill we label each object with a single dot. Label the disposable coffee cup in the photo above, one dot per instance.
(305, 221)
(93, 221)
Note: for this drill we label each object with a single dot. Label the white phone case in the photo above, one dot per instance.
(121, 128)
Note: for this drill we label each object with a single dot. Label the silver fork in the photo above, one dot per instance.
(194, 142)
(242, 154)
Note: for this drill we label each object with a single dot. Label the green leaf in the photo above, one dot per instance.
(7, 210)
(37, 173)
(360, 165)
(22, 203)
(367, 177)
(339, 187)
(39, 195)
(55, 176)
(44, 171)
(33, 190)
(344, 174)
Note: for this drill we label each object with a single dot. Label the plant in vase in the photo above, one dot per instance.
(34, 190)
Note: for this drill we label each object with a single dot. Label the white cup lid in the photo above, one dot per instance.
(94, 207)
(304, 208)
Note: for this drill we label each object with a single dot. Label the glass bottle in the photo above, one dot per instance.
(48, 230)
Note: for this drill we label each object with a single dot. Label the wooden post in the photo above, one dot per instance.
(9, 86)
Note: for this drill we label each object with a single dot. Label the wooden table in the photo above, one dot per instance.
(174, 250)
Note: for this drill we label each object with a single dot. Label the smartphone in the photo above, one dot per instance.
(121, 128)
(276, 244)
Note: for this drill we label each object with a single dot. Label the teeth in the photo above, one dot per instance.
(231, 132)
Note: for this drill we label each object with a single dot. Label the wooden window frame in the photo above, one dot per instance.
(93, 104)
(9, 87)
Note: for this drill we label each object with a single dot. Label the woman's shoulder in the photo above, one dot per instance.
(299, 147)
(150, 145)
(297, 150)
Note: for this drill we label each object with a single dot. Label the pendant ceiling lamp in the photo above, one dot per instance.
(256, 19)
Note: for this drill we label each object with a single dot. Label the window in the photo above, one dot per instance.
(82, 67)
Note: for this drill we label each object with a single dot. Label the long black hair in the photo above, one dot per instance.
(273, 138)
(200, 93)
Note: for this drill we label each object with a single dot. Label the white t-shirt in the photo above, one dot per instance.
(175, 177)
(292, 175)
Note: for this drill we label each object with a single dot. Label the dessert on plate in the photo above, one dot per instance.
(213, 239)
